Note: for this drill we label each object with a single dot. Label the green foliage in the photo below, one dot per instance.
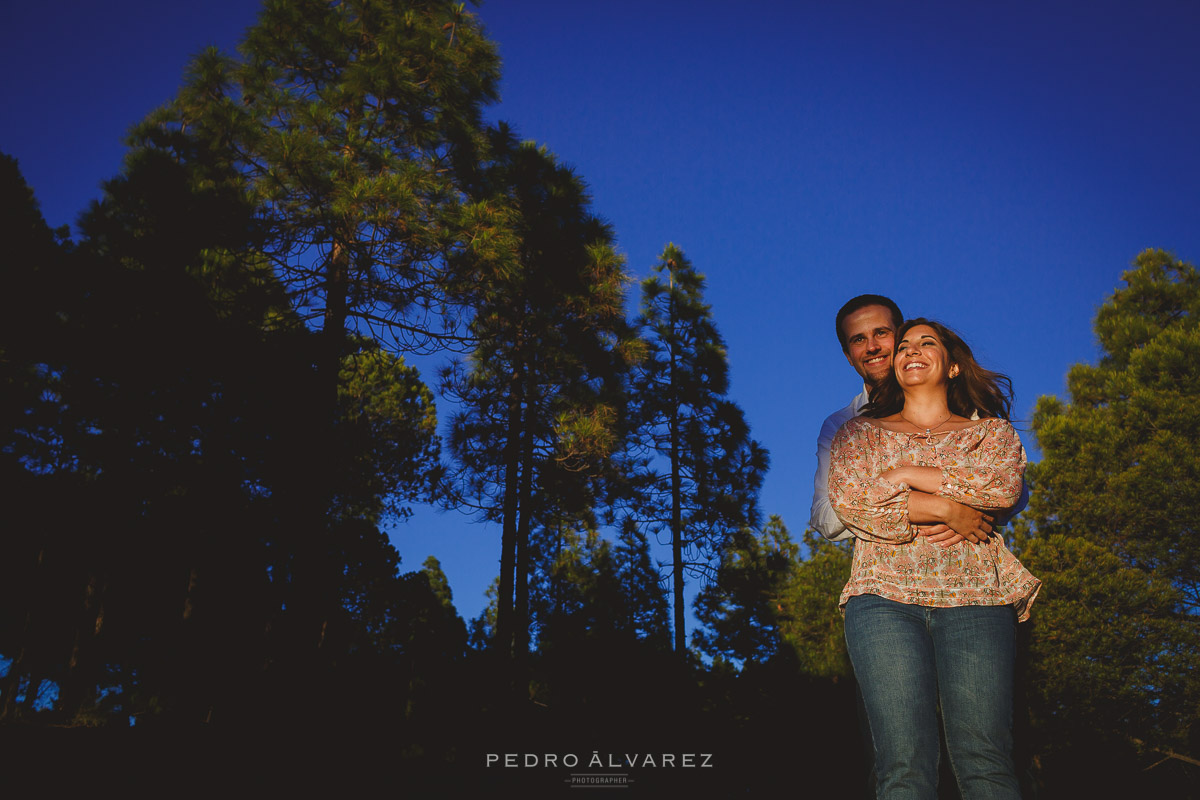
(1110, 646)
(768, 604)
(1161, 293)
(812, 624)
(388, 430)
(743, 607)
(346, 125)
(1120, 462)
(337, 144)
(540, 393)
(483, 627)
(438, 582)
(589, 587)
(1111, 523)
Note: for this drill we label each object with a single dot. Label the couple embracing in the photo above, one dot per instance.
(919, 470)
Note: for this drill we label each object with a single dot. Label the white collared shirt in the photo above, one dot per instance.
(823, 519)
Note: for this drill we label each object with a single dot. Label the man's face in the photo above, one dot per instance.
(870, 335)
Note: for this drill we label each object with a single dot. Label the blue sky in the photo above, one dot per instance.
(995, 166)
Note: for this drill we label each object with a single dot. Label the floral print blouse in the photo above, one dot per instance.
(981, 465)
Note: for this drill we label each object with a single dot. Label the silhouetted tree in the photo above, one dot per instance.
(771, 599)
(163, 394)
(711, 470)
(345, 126)
(149, 426)
(35, 597)
(540, 396)
(1109, 530)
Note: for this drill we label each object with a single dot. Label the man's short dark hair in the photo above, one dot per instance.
(862, 301)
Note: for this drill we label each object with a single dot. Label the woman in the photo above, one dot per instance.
(931, 616)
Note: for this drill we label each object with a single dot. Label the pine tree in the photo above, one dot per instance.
(33, 593)
(711, 470)
(585, 586)
(811, 623)
(347, 127)
(151, 430)
(540, 395)
(387, 434)
(163, 405)
(1110, 528)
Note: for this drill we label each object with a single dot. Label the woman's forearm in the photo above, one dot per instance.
(991, 488)
(925, 479)
(926, 508)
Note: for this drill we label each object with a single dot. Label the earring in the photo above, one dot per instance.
(954, 371)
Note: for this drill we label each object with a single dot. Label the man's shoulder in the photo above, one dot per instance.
(839, 418)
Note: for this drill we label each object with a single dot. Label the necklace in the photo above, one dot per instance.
(928, 431)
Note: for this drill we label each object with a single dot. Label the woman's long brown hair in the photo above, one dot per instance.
(973, 390)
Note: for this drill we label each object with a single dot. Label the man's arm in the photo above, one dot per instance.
(822, 518)
(1005, 517)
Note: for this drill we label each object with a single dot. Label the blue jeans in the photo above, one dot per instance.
(906, 659)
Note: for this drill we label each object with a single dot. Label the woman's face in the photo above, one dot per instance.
(921, 358)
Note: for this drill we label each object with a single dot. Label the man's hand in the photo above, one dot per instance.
(947, 518)
(969, 523)
(940, 535)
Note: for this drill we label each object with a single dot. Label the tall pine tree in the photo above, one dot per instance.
(540, 394)
(346, 126)
(1110, 529)
(700, 472)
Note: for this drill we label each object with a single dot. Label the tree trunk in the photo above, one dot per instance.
(525, 504)
(676, 491)
(312, 595)
(79, 686)
(677, 540)
(11, 684)
(505, 609)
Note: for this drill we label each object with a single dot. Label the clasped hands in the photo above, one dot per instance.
(942, 521)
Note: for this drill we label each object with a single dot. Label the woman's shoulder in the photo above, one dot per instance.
(855, 429)
(995, 425)
(858, 424)
(863, 433)
(989, 431)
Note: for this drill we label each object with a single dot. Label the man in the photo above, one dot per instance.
(866, 327)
